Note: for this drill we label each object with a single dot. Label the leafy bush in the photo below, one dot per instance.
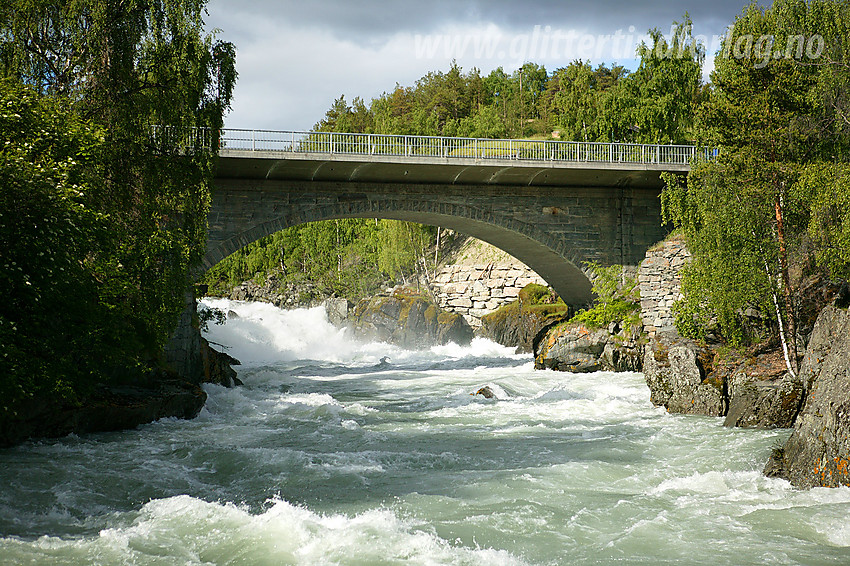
(617, 299)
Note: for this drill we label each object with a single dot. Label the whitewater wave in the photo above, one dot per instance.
(189, 531)
(260, 334)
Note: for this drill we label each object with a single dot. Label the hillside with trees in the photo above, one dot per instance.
(653, 104)
(768, 220)
(350, 257)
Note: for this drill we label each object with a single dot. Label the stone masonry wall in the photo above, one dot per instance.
(553, 228)
(476, 290)
(660, 283)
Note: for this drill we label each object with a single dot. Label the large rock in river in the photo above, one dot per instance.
(762, 401)
(818, 451)
(518, 322)
(675, 372)
(576, 348)
(408, 319)
(751, 389)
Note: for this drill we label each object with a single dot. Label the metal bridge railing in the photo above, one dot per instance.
(478, 148)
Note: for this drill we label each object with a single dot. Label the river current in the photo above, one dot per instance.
(336, 452)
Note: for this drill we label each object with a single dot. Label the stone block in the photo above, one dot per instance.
(511, 291)
(480, 288)
(456, 288)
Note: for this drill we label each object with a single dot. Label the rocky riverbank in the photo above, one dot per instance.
(818, 451)
(278, 293)
(106, 409)
(749, 389)
(753, 388)
(576, 348)
(170, 387)
(519, 322)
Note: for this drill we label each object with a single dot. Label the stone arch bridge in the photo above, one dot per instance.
(553, 205)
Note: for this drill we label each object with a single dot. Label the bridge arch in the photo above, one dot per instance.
(551, 257)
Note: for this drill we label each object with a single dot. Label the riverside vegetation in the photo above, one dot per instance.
(768, 224)
(102, 216)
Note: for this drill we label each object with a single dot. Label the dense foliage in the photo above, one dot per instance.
(351, 257)
(105, 183)
(772, 208)
(654, 104)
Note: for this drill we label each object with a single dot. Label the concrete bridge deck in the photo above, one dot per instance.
(373, 158)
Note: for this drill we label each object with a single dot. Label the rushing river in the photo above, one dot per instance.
(342, 453)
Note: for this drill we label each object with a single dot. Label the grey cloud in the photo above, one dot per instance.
(371, 21)
(296, 56)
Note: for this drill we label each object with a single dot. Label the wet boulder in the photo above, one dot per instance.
(577, 348)
(408, 319)
(674, 368)
(518, 322)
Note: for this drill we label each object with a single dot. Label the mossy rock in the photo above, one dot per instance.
(409, 319)
(517, 323)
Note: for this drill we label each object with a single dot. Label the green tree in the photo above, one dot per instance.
(54, 330)
(577, 100)
(656, 103)
(777, 115)
(826, 187)
(152, 83)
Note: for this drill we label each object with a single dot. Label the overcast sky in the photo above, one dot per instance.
(295, 57)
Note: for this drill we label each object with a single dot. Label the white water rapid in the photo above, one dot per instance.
(336, 452)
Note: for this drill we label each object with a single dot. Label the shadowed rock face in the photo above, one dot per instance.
(818, 451)
(763, 403)
(409, 320)
(170, 391)
(578, 349)
(111, 408)
(677, 379)
(755, 392)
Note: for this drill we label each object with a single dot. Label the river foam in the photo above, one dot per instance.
(184, 530)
